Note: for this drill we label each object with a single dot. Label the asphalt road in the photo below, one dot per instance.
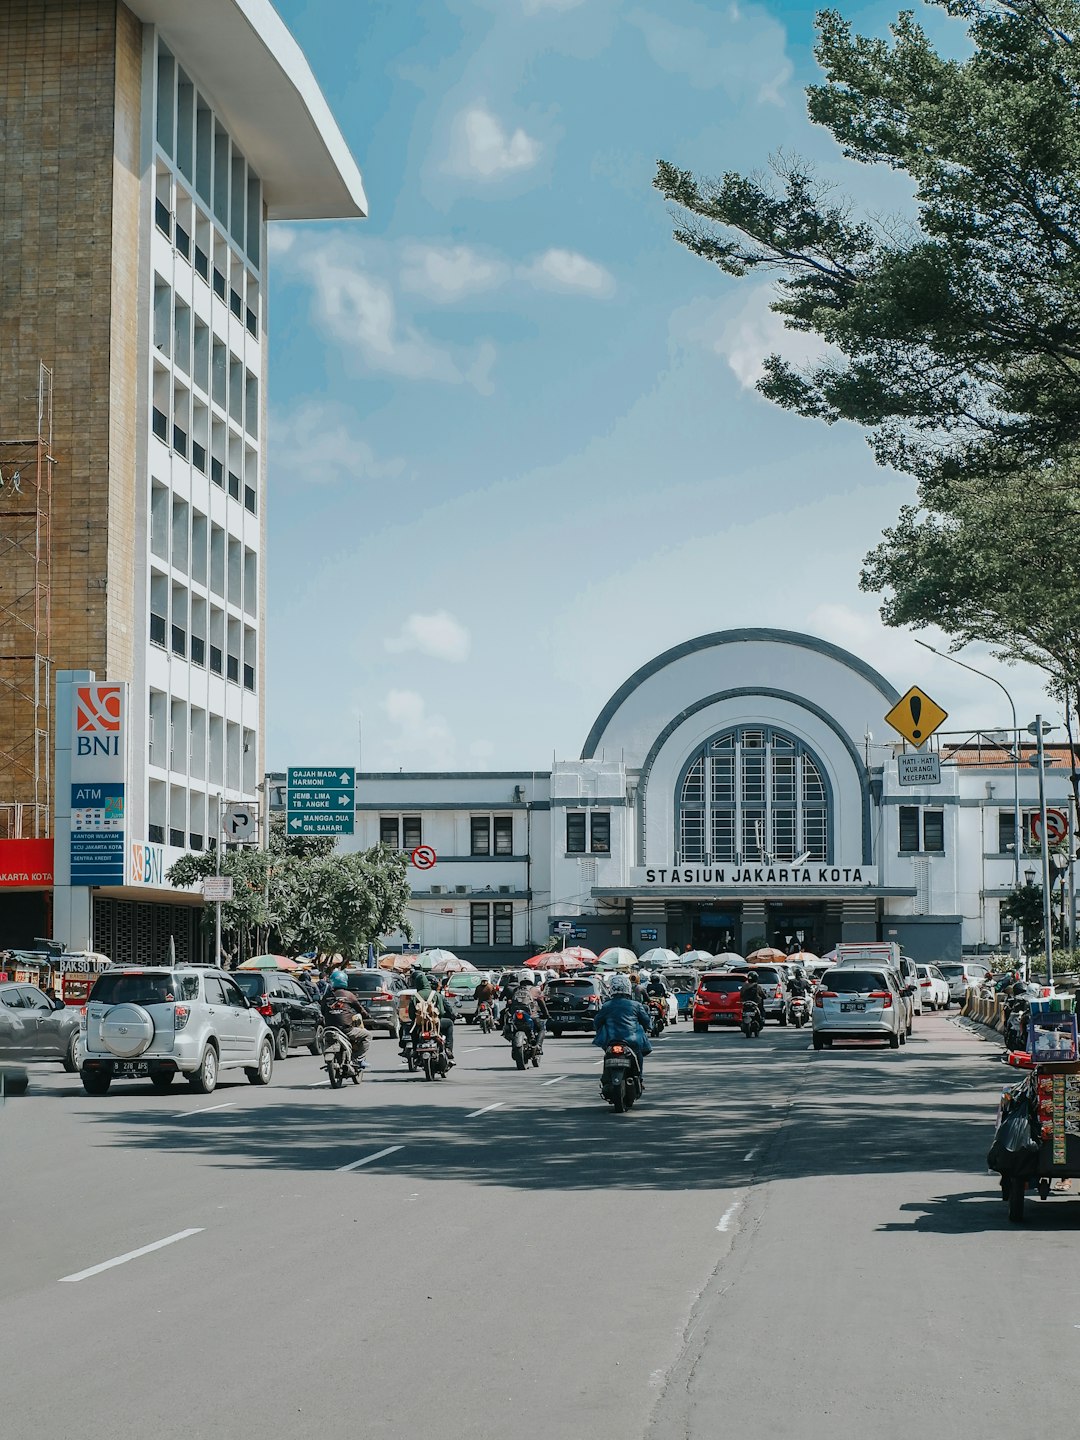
(773, 1243)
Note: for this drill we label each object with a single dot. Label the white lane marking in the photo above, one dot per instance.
(726, 1218)
(497, 1106)
(553, 1081)
(472, 1048)
(131, 1255)
(229, 1105)
(367, 1159)
(750, 1154)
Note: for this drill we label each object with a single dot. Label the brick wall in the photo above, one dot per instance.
(70, 77)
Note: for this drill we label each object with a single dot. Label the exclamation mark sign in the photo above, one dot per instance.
(916, 710)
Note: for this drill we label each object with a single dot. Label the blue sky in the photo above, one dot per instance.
(515, 445)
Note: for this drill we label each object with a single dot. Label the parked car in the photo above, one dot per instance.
(716, 1000)
(461, 990)
(909, 977)
(33, 1027)
(962, 976)
(572, 1001)
(157, 1022)
(934, 988)
(293, 1016)
(377, 991)
(854, 1002)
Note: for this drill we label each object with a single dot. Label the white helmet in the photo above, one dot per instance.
(620, 985)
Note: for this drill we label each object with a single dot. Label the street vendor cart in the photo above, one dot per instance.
(1047, 1103)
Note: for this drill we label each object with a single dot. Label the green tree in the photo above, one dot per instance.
(953, 336)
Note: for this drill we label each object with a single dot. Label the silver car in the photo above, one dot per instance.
(33, 1027)
(857, 1002)
(155, 1023)
(960, 977)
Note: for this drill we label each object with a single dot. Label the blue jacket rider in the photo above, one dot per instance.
(622, 1018)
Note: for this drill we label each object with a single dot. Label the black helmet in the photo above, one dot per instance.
(751, 976)
(1019, 988)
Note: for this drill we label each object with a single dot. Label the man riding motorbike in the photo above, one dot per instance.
(525, 997)
(656, 986)
(424, 991)
(344, 1012)
(797, 985)
(622, 1018)
(752, 994)
(638, 991)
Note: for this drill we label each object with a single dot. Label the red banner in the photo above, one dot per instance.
(26, 863)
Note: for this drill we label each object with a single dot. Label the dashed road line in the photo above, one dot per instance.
(554, 1080)
(728, 1216)
(367, 1159)
(184, 1114)
(131, 1255)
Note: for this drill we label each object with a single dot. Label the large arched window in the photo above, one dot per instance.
(752, 794)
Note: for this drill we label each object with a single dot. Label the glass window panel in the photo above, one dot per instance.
(600, 832)
(692, 835)
(1006, 830)
(723, 779)
(934, 831)
(479, 924)
(575, 833)
(781, 742)
(753, 740)
(411, 833)
(909, 828)
(723, 835)
(388, 831)
(481, 835)
(693, 790)
(813, 785)
(783, 779)
(725, 742)
(504, 923)
(753, 834)
(753, 777)
(504, 835)
(815, 833)
(783, 835)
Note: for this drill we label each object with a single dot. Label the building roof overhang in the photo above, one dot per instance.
(241, 54)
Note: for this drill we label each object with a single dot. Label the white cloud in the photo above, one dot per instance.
(752, 333)
(358, 308)
(424, 739)
(483, 149)
(566, 270)
(445, 273)
(315, 444)
(536, 7)
(280, 239)
(746, 57)
(440, 636)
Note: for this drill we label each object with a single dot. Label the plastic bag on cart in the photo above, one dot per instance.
(1015, 1150)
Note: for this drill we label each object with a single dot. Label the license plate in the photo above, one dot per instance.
(618, 1060)
(563, 1019)
(131, 1067)
(854, 1005)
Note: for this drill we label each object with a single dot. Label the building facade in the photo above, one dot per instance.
(737, 790)
(147, 147)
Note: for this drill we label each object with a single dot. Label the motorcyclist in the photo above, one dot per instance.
(622, 1018)
(797, 986)
(527, 998)
(484, 994)
(752, 994)
(657, 987)
(637, 990)
(343, 1010)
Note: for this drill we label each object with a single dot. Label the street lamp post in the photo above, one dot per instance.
(1038, 728)
(1017, 840)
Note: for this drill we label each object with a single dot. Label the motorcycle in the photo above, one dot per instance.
(429, 1055)
(658, 1010)
(522, 1045)
(620, 1079)
(799, 1010)
(484, 1017)
(1017, 1017)
(752, 1022)
(338, 1057)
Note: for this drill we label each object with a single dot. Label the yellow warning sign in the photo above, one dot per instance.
(916, 716)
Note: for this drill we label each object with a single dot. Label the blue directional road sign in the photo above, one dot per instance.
(320, 800)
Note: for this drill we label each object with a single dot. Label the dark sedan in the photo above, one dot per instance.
(293, 1016)
(573, 1002)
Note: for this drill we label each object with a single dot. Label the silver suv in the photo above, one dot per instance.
(155, 1022)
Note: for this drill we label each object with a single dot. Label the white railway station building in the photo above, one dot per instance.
(735, 789)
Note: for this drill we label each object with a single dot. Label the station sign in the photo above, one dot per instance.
(749, 878)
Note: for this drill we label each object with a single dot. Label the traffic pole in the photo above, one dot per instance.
(1048, 934)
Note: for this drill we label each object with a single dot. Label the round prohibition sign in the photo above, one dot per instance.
(423, 857)
(1057, 826)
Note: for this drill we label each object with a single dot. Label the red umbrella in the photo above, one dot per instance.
(557, 961)
(767, 952)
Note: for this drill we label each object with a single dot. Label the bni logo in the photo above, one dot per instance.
(97, 709)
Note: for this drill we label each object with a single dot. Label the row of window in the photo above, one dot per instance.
(588, 832)
(190, 542)
(199, 353)
(923, 830)
(190, 134)
(491, 924)
(183, 624)
(176, 227)
(190, 740)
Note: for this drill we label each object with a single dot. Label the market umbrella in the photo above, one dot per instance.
(767, 952)
(269, 962)
(653, 959)
(615, 958)
(803, 957)
(696, 957)
(557, 962)
(727, 960)
(453, 966)
(397, 962)
(428, 959)
(578, 952)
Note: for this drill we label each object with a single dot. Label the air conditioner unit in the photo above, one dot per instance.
(505, 889)
(461, 889)
(436, 889)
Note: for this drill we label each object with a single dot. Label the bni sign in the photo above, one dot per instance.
(98, 781)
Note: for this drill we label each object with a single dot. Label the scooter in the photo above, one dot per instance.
(620, 1079)
(658, 1011)
(338, 1057)
(522, 1045)
(1017, 1016)
(429, 1055)
(752, 1022)
(799, 1010)
(484, 1017)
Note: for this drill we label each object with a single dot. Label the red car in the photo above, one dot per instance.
(716, 1001)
